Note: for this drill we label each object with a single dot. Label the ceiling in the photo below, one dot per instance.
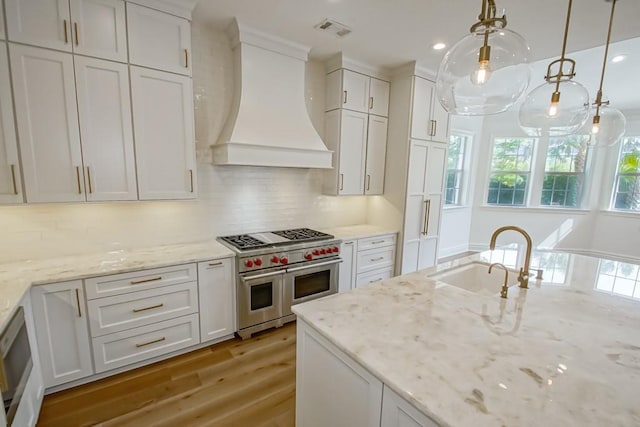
(388, 33)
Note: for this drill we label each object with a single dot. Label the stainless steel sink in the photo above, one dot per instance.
(475, 277)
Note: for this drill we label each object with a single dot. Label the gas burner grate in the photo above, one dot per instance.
(244, 241)
(305, 234)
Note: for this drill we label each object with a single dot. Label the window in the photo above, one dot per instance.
(510, 171)
(506, 255)
(619, 278)
(627, 187)
(564, 172)
(554, 266)
(458, 146)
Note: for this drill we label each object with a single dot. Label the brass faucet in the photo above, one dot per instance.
(523, 276)
(505, 286)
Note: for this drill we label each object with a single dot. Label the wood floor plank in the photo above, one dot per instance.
(247, 383)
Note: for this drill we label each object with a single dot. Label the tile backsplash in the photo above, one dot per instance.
(231, 199)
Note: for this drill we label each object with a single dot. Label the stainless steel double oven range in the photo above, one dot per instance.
(278, 269)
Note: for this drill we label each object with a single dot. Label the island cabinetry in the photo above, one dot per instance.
(62, 332)
(331, 388)
(397, 412)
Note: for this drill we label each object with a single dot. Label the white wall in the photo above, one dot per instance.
(231, 199)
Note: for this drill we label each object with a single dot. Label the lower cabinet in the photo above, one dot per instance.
(367, 260)
(349, 254)
(397, 412)
(62, 332)
(216, 283)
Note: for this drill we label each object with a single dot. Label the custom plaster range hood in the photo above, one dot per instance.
(269, 124)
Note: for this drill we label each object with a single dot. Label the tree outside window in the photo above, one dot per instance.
(564, 172)
(458, 145)
(627, 186)
(510, 171)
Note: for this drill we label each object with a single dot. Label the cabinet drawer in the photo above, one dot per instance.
(124, 283)
(376, 242)
(374, 276)
(375, 259)
(134, 345)
(121, 312)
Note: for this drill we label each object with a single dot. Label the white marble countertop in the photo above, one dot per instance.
(358, 231)
(557, 354)
(17, 277)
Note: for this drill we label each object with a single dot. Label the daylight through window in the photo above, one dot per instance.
(564, 175)
(510, 171)
(627, 186)
(458, 146)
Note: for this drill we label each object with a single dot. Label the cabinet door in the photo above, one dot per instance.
(421, 124)
(379, 97)
(43, 23)
(376, 155)
(353, 142)
(397, 412)
(158, 40)
(10, 184)
(216, 286)
(164, 144)
(105, 129)
(3, 33)
(331, 388)
(347, 276)
(440, 117)
(355, 91)
(99, 28)
(434, 183)
(414, 217)
(62, 332)
(47, 117)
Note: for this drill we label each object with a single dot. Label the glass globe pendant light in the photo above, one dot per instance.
(560, 106)
(608, 123)
(487, 71)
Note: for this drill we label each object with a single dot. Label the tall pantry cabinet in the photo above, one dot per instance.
(419, 135)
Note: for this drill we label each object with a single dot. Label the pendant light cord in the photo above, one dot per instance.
(564, 47)
(606, 54)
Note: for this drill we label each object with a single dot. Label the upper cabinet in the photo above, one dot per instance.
(430, 121)
(358, 92)
(164, 134)
(10, 184)
(158, 40)
(88, 27)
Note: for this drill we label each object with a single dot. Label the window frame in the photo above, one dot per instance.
(583, 174)
(530, 173)
(618, 174)
(462, 190)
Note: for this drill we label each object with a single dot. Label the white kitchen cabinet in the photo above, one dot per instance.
(376, 154)
(346, 136)
(357, 92)
(216, 286)
(158, 40)
(44, 23)
(348, 268)
(427, 163)
(46, 114)
(3, 32)
(99, 28)
(430, 121)
(62, 332)
(331, 388)
(164, 135)
(105, 129)
(397, 412)
(10, 182)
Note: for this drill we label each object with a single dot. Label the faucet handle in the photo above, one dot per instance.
(539, 273)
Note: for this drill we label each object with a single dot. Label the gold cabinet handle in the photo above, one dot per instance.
(13, 179)
(341, 181)
(348, 243)
(215, 264)
(191, 179)
(78, 302)
(151, 307)
(371, 103)
(89, 180)
(377, 259)
(186, 58)
(151, 342)
(153, 279)
(345, 97)
(66, 31)
(428, 214)
(426, 218)
(435, 127)
(368, 182)
(377, 242)
(379, 279)
(78, 178)
(75, 31)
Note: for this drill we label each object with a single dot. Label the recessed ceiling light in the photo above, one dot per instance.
(439, 46)
(618, 58)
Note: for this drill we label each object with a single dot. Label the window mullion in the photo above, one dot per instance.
(537, 171)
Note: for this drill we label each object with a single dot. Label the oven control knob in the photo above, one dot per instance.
(323, 251)
(248, 263)
(258, 262)
(308, 257)
(335, 249)
(275, 260)
(316, 252)
(284, 260)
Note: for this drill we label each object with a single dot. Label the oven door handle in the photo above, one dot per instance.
(263, 275)
(320, 264)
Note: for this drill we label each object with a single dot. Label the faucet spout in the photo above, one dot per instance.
(523, 277)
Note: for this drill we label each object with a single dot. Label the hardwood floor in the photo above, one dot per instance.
(232, 384)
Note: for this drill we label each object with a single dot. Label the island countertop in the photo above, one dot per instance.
(557, 354)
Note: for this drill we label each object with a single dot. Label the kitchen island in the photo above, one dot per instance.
(413, 351)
